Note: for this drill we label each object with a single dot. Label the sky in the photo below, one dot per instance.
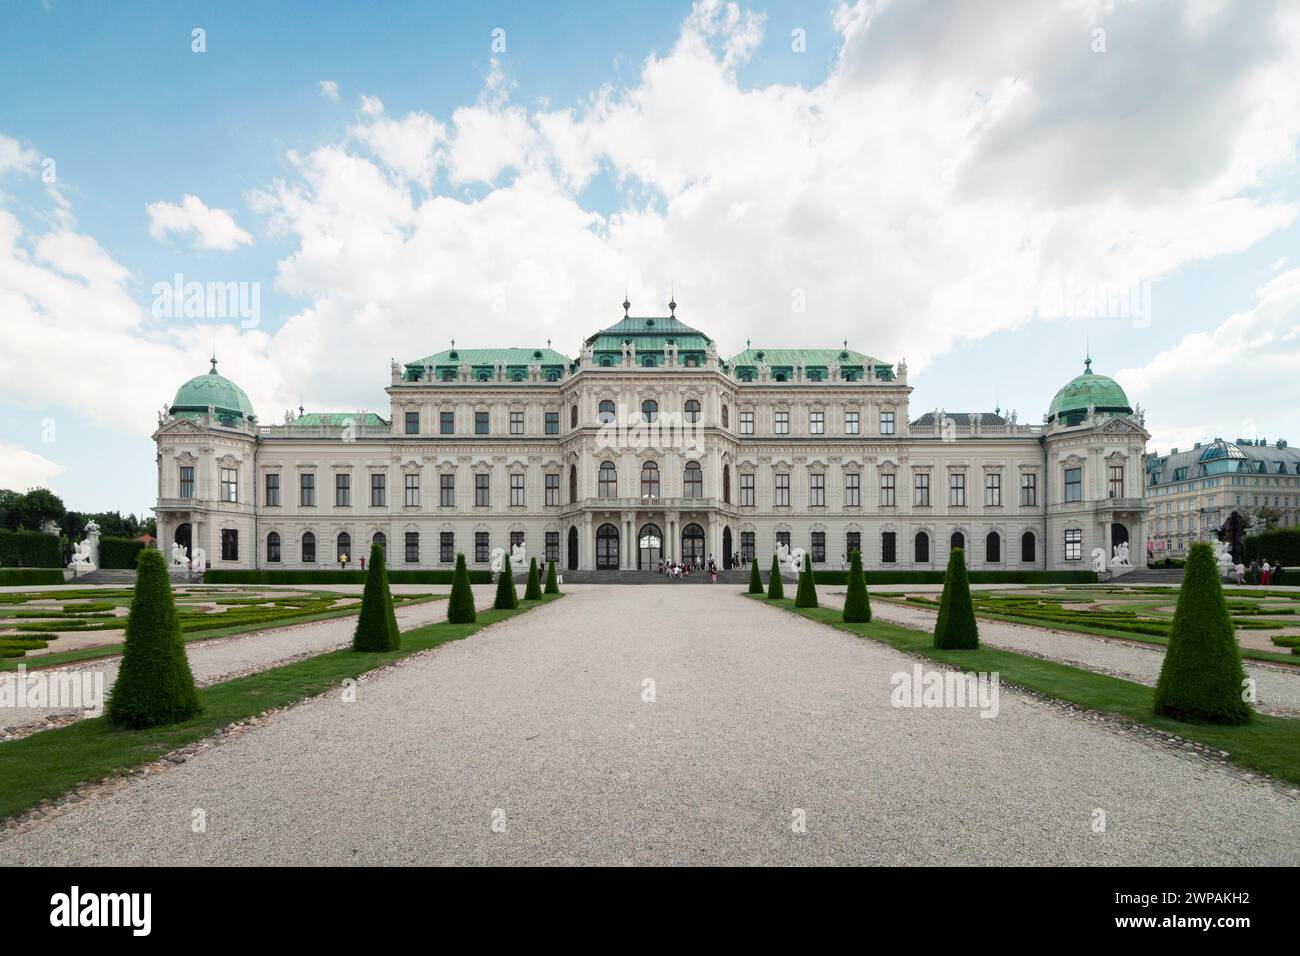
(987, 191)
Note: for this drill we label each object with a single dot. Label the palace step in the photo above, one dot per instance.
(126, 577)
(1170, 576)
(652, 577)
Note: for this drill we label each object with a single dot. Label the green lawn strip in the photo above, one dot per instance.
(1268, 744)
(52, 762)
(112, 650)
(1246, 652)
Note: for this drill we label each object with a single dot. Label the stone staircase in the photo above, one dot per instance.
(124, 577)
(1170, 576)
(730, 578)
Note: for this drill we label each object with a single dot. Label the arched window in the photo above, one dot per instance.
(1028, 547)
(607, 480)
(380, 539)
(693, 544)
(344, 546)
(573, 484)
(606, 362)
(993, 548)
(606, 547)
(726, 484)
(273, 548)
(726, 417)
(308, 548)
(605, 412)
(692, 410)
(650, 480)
(694, 480)
(958, 540)
(649, 410)
(922, 548)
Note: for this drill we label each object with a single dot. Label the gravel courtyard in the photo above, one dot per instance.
(759, 719)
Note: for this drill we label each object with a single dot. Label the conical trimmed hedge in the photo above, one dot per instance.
(154, 683)
(857, 603)
(507, 596)
(956, 628)
(775, 589)
(806, 595)
(1201, 678)
(552, 584)
(460, 606)
(533, 589)
(376, 624)
(755, 580)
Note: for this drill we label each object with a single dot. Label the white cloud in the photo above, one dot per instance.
(21, 469)
(371, 105)
(410, 147)
(328, 89)
(14, 156)
(208, 228)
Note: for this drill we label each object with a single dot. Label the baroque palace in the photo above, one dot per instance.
(650, 446)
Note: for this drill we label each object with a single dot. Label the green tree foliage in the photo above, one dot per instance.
(806, 595)
(775, 589)
(460, 606)
(755, 580)
(376, 624)
(507, 597)
(552, 581)
(857, 603)
(533, 588)
(956, 628)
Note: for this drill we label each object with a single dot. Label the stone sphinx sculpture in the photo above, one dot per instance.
(179, 558)
(1120, 557)
(1099, 560)
(81, 559)
(518, 558)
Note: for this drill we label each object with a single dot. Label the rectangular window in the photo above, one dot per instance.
(378, 489)
(412, 423)
(516, 540)
(516, 423)
(887, 491)
(307, 489)
(447, 547)
(481, 555)
(888, 547)
(782, 491)
(852, 490)
(480, 423)
(412, 547)
(1073, 544)
(818, 539)
(886, 423)
(747, 423)
(230, 484)
(746, 547)
(1029, 489)
(273, 548)
(552, 491)
(746, 490)
(273, 491)
(230, 544)
(921, 489)
(783, 538)
(482, 490)
(817, 491)
(993, 489)
(957, 489)
(342, 491)
(447, 423)
(850, 423)
(1074, 484)
(782, 420)
(1117, 481)
(553, 546)
(552, 423)
(446, 491)
(817, 423)
(412, 491)
(516, 491)
(187, 481)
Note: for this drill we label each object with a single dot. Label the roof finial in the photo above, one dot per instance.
(626, 305)
(846, 345)
(213, 360)
(1087, 358)
(746, 343)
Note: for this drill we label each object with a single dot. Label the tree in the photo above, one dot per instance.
(154, 682)
(857, 603)
(755, 580)
(956, 628)
(775, 589)
(507, 597)
(460, 606)
(552, 583)
(1201, 678)
(10, 516)
(533, 587)
(806, 595)
(376, 624)
(38, 506)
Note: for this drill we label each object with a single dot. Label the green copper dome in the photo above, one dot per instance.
(223, 395)
(1089, 389)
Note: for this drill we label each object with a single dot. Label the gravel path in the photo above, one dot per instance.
(1278, 691)
(758, 716)
(218, 659)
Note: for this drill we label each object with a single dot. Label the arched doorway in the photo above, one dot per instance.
(1118, 534)
(693, 544)
(958, 541)
(726, 549)
(573, 548)
(184, 537)
(607, 548)
(650, 547)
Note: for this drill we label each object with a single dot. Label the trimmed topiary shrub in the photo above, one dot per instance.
(857, 603)
(552, 583)
(755, 580)
(154, 683)
(806, 595)
(507, 596)
(14, 576)
(533, 587)
(956, 628)
(775, 589)
(119, 552)
(30, 549)
(460, 606)
(1201, 678)
(376, 624)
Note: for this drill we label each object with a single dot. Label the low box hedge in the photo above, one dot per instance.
(321, 576)
(975, 577)
(12, 577)
(30, 549)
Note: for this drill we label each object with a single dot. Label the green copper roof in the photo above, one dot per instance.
(337, 419)
(1087, 389)
(513, 356)
(649, 334)
(751, 358)
(227, 398)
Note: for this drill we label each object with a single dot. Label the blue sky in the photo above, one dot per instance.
(919, 188)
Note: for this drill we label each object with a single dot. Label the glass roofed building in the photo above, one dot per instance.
(651, 444)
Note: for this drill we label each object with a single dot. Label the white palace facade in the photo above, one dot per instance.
(649, 445)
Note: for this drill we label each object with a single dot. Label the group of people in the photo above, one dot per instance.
(1259, 573)
(675, 569)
